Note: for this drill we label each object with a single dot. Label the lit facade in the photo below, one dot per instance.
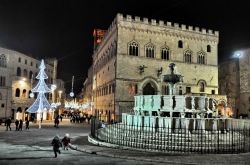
(17, 73)
(135, 53)
(235, 83)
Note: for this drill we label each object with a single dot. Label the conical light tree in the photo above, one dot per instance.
(41, 104)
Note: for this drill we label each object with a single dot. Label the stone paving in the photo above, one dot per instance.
(33, 147)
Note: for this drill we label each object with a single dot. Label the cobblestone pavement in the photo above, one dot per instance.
(33, 147)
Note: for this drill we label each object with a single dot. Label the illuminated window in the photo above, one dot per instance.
(180, 44)
(208, 48)
(201, 57)
(165, 55)
(188, 56)
(24, 93)
(133, 48)
(150, 50)
(3, 61)
(17, 94)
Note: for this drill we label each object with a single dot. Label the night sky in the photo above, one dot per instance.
(63, 29)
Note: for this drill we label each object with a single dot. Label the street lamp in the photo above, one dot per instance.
(237, 54)
(72, 92)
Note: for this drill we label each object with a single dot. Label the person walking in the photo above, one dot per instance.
(20, 125)
(8, 123)
(56, 145)
(17, 124)
(27, 124)
(66, 141)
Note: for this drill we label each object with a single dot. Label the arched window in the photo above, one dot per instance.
(29, 93)
(1, 97)
(208, 48)
(24, 93)
(3, 61)
(30, 75)
(165, 55)
(180, 44)
(150, 50)
(188, 56)
(18, 71)
(133, 48)
(201, 57)
(25, 73)
(202, 86)
(17, 92)
(19, 59)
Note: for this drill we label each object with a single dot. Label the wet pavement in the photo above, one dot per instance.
(33, 147)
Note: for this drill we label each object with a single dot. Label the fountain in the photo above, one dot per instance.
(184, 123)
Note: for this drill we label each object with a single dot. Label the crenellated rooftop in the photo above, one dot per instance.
(129, 18)
(153, 22)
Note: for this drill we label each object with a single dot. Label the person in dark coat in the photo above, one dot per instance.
(20, 125)
(27, 124)
(17, 124)
(8, 123)
(66, 141)
(56, 145)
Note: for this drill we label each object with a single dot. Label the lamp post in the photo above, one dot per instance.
(72, 91)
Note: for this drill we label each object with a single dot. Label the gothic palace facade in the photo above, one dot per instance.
(135, 52)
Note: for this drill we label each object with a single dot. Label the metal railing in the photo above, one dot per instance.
(235, 139)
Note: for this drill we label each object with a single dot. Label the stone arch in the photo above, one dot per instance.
(133, 48)
(152, 82)
(188, 56)
(202, 85)
(150, 50)
(19, 109)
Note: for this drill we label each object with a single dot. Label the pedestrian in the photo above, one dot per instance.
(20, 125)
(17, 124)
(27, 123)
(61, 117)
(103, 124)
(66, 141)
(56, 145)
(8, 123)
(41, 119)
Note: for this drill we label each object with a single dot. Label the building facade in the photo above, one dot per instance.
(135, 53)
(235, 83)
(17, 78)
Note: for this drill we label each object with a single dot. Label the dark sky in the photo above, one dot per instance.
(63, 29)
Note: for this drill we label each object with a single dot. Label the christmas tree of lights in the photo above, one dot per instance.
(41, 104)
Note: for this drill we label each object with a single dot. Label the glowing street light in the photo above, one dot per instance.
(238, 54)
(53, 87)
